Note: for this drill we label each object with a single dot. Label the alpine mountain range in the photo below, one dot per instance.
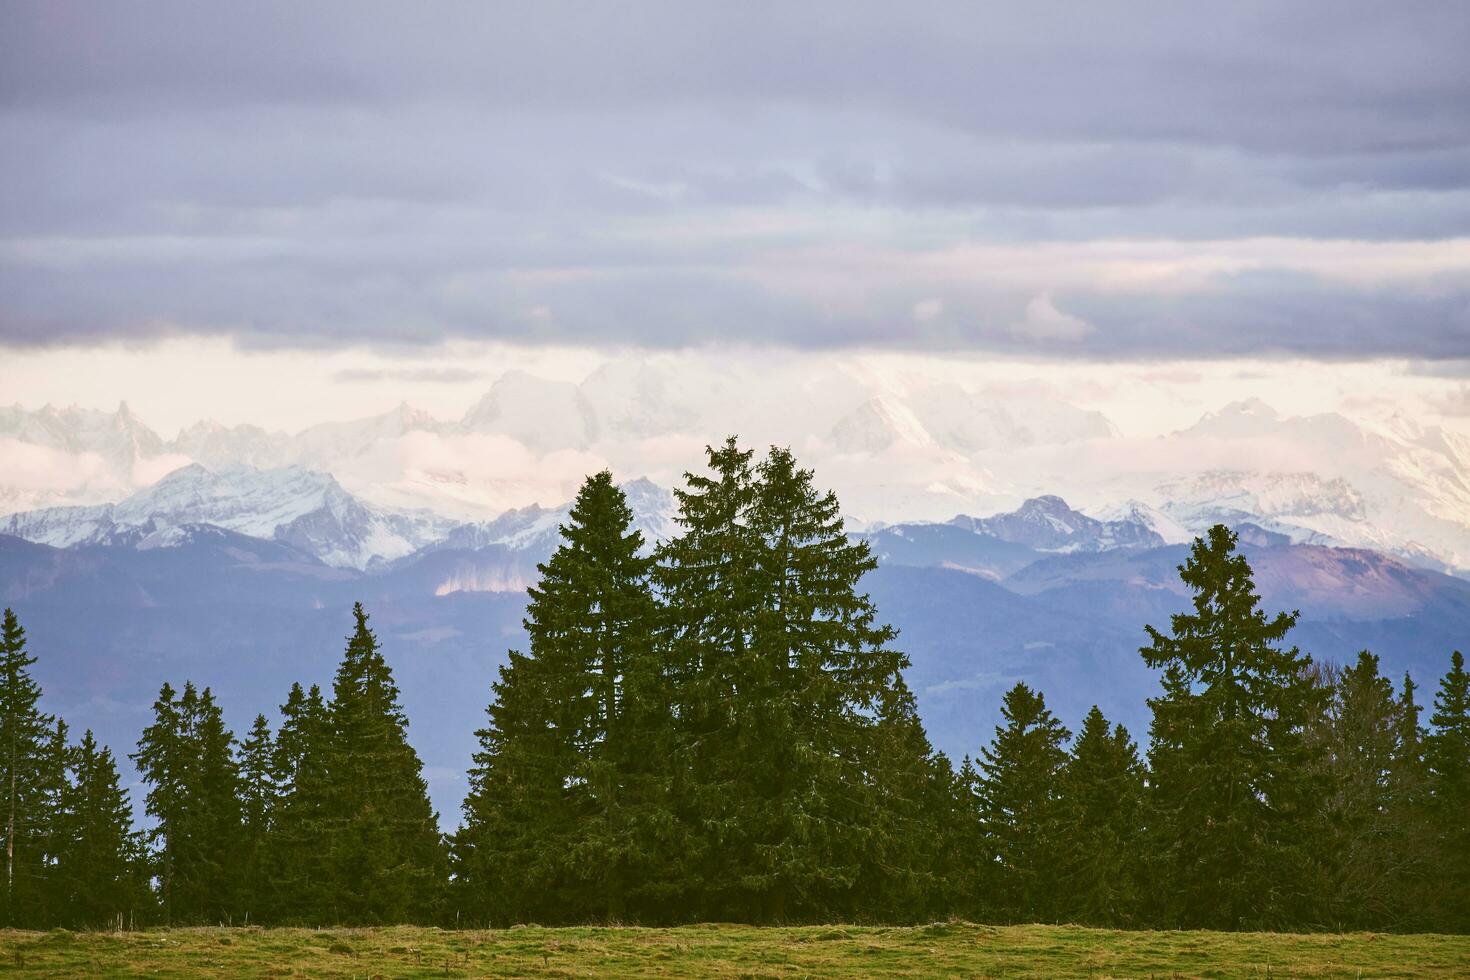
(1019, 538)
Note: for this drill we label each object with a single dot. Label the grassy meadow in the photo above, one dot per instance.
(944, 949)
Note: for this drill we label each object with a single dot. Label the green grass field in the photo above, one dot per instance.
(946, 949)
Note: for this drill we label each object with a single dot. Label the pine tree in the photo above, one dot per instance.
(1019, 806)
(907, 867)
(1232, 784)
(162, 760)
(23, 737)
(1448, 751)
(564, 797)
(1358, 841)
(99, 866)
(519, 808)
(258, 806)
(295, 869)
(1414, 859)
(220, 824)
(53, 786)
(707, 578)
(1101, 826)
(972, 867)
(187, 757)
(780, 667)
(384, 853)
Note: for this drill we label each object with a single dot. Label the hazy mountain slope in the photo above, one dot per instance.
(949, 546)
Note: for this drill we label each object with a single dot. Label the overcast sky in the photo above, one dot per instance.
(1050, 181)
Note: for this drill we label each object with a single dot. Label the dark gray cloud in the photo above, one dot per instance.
(676, 173)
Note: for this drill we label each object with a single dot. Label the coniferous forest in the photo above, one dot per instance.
(717, 728)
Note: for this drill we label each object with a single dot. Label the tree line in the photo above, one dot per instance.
(717, 728)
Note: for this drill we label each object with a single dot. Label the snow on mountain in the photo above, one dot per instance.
(643, 399)
(1048, 524)
(1254, 419)
(294, 505)
(967, 423)
(536, 529)
(216, 445)
(1304, 506)
(118, 437)
(322, 445)
(543, 415)
(949, 417)
(1395, 487)
(501, 555)
(876, 425)
(895, 448)
(1139, 514)
(62, 527)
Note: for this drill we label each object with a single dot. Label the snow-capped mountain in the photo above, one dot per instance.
(293, 505)
(949, 418)
(118, 437)
(1048, 524)
(895, 449)
(876, 425)
(1136, 513)
(1397, 488)
(216, 445)
(542, 415)
(501, 555)
(323, 446)
(968, 423)
(537, 529)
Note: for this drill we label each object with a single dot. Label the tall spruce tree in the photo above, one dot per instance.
(1232, 787)
(385, 857)
(55, 762)
(219, 821)
(1414, 858)
(1019, 806)
(519, 807)
(294, 862)
(708, 581)
(1100, 810)
(99, 866)
(24, 732)
(973, 867)
(1449, 760)
(781, 667)
(1359, 839)
(258, 805)
(162, 759)
(907, 868)
(565, 796)
(187, 758)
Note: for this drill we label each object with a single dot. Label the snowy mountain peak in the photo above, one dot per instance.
(1046, 506)
(877, 424)
(1136, 512)
(304, 508)
(1253, 407)
(1048, 523)
(1237, 420)
(543, 415)
(537, 529)
(118, 437)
